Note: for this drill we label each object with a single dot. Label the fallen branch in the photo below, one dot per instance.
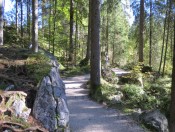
(7, 93)
(12, 62)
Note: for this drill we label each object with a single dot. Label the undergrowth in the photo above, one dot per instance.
(148, 93)
(74, 71)
(154, 95)
(38, 66)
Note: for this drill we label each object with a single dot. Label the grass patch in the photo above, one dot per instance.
(104, 92)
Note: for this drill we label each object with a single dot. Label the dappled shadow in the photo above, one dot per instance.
(89, 116)
(86, 115)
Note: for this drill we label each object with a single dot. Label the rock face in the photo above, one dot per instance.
(50, 106)
(155, 120)
(109, 75)
(117, 98)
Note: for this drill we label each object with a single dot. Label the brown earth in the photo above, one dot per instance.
(13, 72)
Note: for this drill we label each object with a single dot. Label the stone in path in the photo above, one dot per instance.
(89, 116)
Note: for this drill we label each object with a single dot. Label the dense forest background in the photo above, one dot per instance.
(119, 37)
(103, 34)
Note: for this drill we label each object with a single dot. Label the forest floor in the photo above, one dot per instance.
(13, 73)
(87, 115)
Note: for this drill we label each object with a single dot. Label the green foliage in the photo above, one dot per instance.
(37, 66)
(104, 91)
(75, 71)
(133, 93)
(3, 86)
(152, 96)
(114, 22)
(11, 37)
(84, 62)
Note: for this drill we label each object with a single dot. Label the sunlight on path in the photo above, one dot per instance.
(89, 116)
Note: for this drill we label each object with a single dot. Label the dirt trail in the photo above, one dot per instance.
(89, 116)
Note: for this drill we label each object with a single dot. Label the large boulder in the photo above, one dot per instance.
(155, 120)
(109, 75)
(50, 106)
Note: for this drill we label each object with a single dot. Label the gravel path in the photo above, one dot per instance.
(89, 116)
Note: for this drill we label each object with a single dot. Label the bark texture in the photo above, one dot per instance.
(1, 21)
(172, 107)
(71, 46)
(141, 39)
(95, 45)
(35, 25)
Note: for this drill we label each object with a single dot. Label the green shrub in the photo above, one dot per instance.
(152, 96)
(104, 91)
(133, 90)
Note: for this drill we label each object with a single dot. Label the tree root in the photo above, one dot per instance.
(11, 126)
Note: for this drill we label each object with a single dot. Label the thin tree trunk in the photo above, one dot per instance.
(172, 105)
(163, 43)
(95, 46)
(16, 16)
(113, 53)
(43, 15)
(167, 37)
(35, 25)
(71, 46)
(103, 45)
(1, 21)
(54, 26)
(107, 30)
(28, 18)
(150, 35)
(89, 34)
(141, 39)
(76, 36)
(21, 18)
(171, 48)
(50, 11)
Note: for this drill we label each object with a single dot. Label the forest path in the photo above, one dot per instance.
(89, 116)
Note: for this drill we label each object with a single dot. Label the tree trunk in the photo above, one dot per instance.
(167, 37)
(172, 106)
(50, 12)
(54, 26)
(89, 34)
(71, 46)
(16, 16)
(150, 35)
(163, 43)
(95, 46)
(28, 17)
(43, 15)
(76, 36)
(141, 38)
(107, 30)
(171, 47)
(113, 52)
(1, 21)
(21, 18)
(35, 25)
